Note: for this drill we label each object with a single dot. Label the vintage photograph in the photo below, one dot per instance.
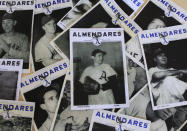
(169, 119)
(10, 78)
(95, 74)
(167, 72)
(15, 123)
(103, 20)
(137, 78)
(44, 31)
(76, 12)
(146, 19)
(8, 87)
(68, 119)
(46, 100)
(16, 41)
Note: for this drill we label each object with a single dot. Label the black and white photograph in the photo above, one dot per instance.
(109, 121)
(170, 119)
(95, 74)
(167, 71)
(10, 78)
(16, 41)
(8, 89)
(15, 124)
(16, 115)
(137, 78)
(46, 100)
(101, 20)
(67, 119)
(165, 67)
(76, 12)
(44, 30)
(146, 19)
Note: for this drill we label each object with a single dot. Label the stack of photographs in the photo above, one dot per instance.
(93, 65)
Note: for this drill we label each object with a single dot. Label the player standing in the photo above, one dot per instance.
(103, 75)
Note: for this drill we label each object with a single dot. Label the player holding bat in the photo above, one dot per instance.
(98, 80)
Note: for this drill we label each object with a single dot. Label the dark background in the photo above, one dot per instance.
(24, 21)
(38, 32)
(150, 12)
(128, 10)
(82, 59)
(98, 14)
(175, 51)
(8, 84)
(24, 25)
(102, 127)
(35, 96)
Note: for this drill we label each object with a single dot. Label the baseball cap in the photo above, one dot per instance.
(45, 19)
(94, 52)
(158, 52)
(8, 16)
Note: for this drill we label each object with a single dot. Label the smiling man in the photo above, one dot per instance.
(14, 45)
(44, 53)
(104, 75)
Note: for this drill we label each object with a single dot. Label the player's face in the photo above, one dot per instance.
(50, 99)
(161, 59)
(155, 24)
(8, 25)
(98, 58)
(50, 27)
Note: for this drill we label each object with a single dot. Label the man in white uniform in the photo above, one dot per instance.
(102, 73)
(13, 45)
(45, 53)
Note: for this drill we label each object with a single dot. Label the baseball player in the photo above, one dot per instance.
(14, 45)
(44, 53)
(101, 77)
(49, 103)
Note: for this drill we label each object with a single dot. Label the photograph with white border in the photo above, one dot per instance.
(96, 73)
(109, 121)
(16, 32)
(44, 88)
(45, 29)
(16, 116)
(10, 78)
(76, 12)
(163, 51)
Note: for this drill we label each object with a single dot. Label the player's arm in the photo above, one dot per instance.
(87, 84)
(112, 79)
(3, 46)
(157, 76)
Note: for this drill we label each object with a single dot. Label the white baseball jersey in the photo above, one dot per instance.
(100, 74)
(18, 45)
(45, 53)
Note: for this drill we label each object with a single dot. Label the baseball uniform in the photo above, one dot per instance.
(18, 46)
(169, 90)
(100, 74)
(45, 53)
